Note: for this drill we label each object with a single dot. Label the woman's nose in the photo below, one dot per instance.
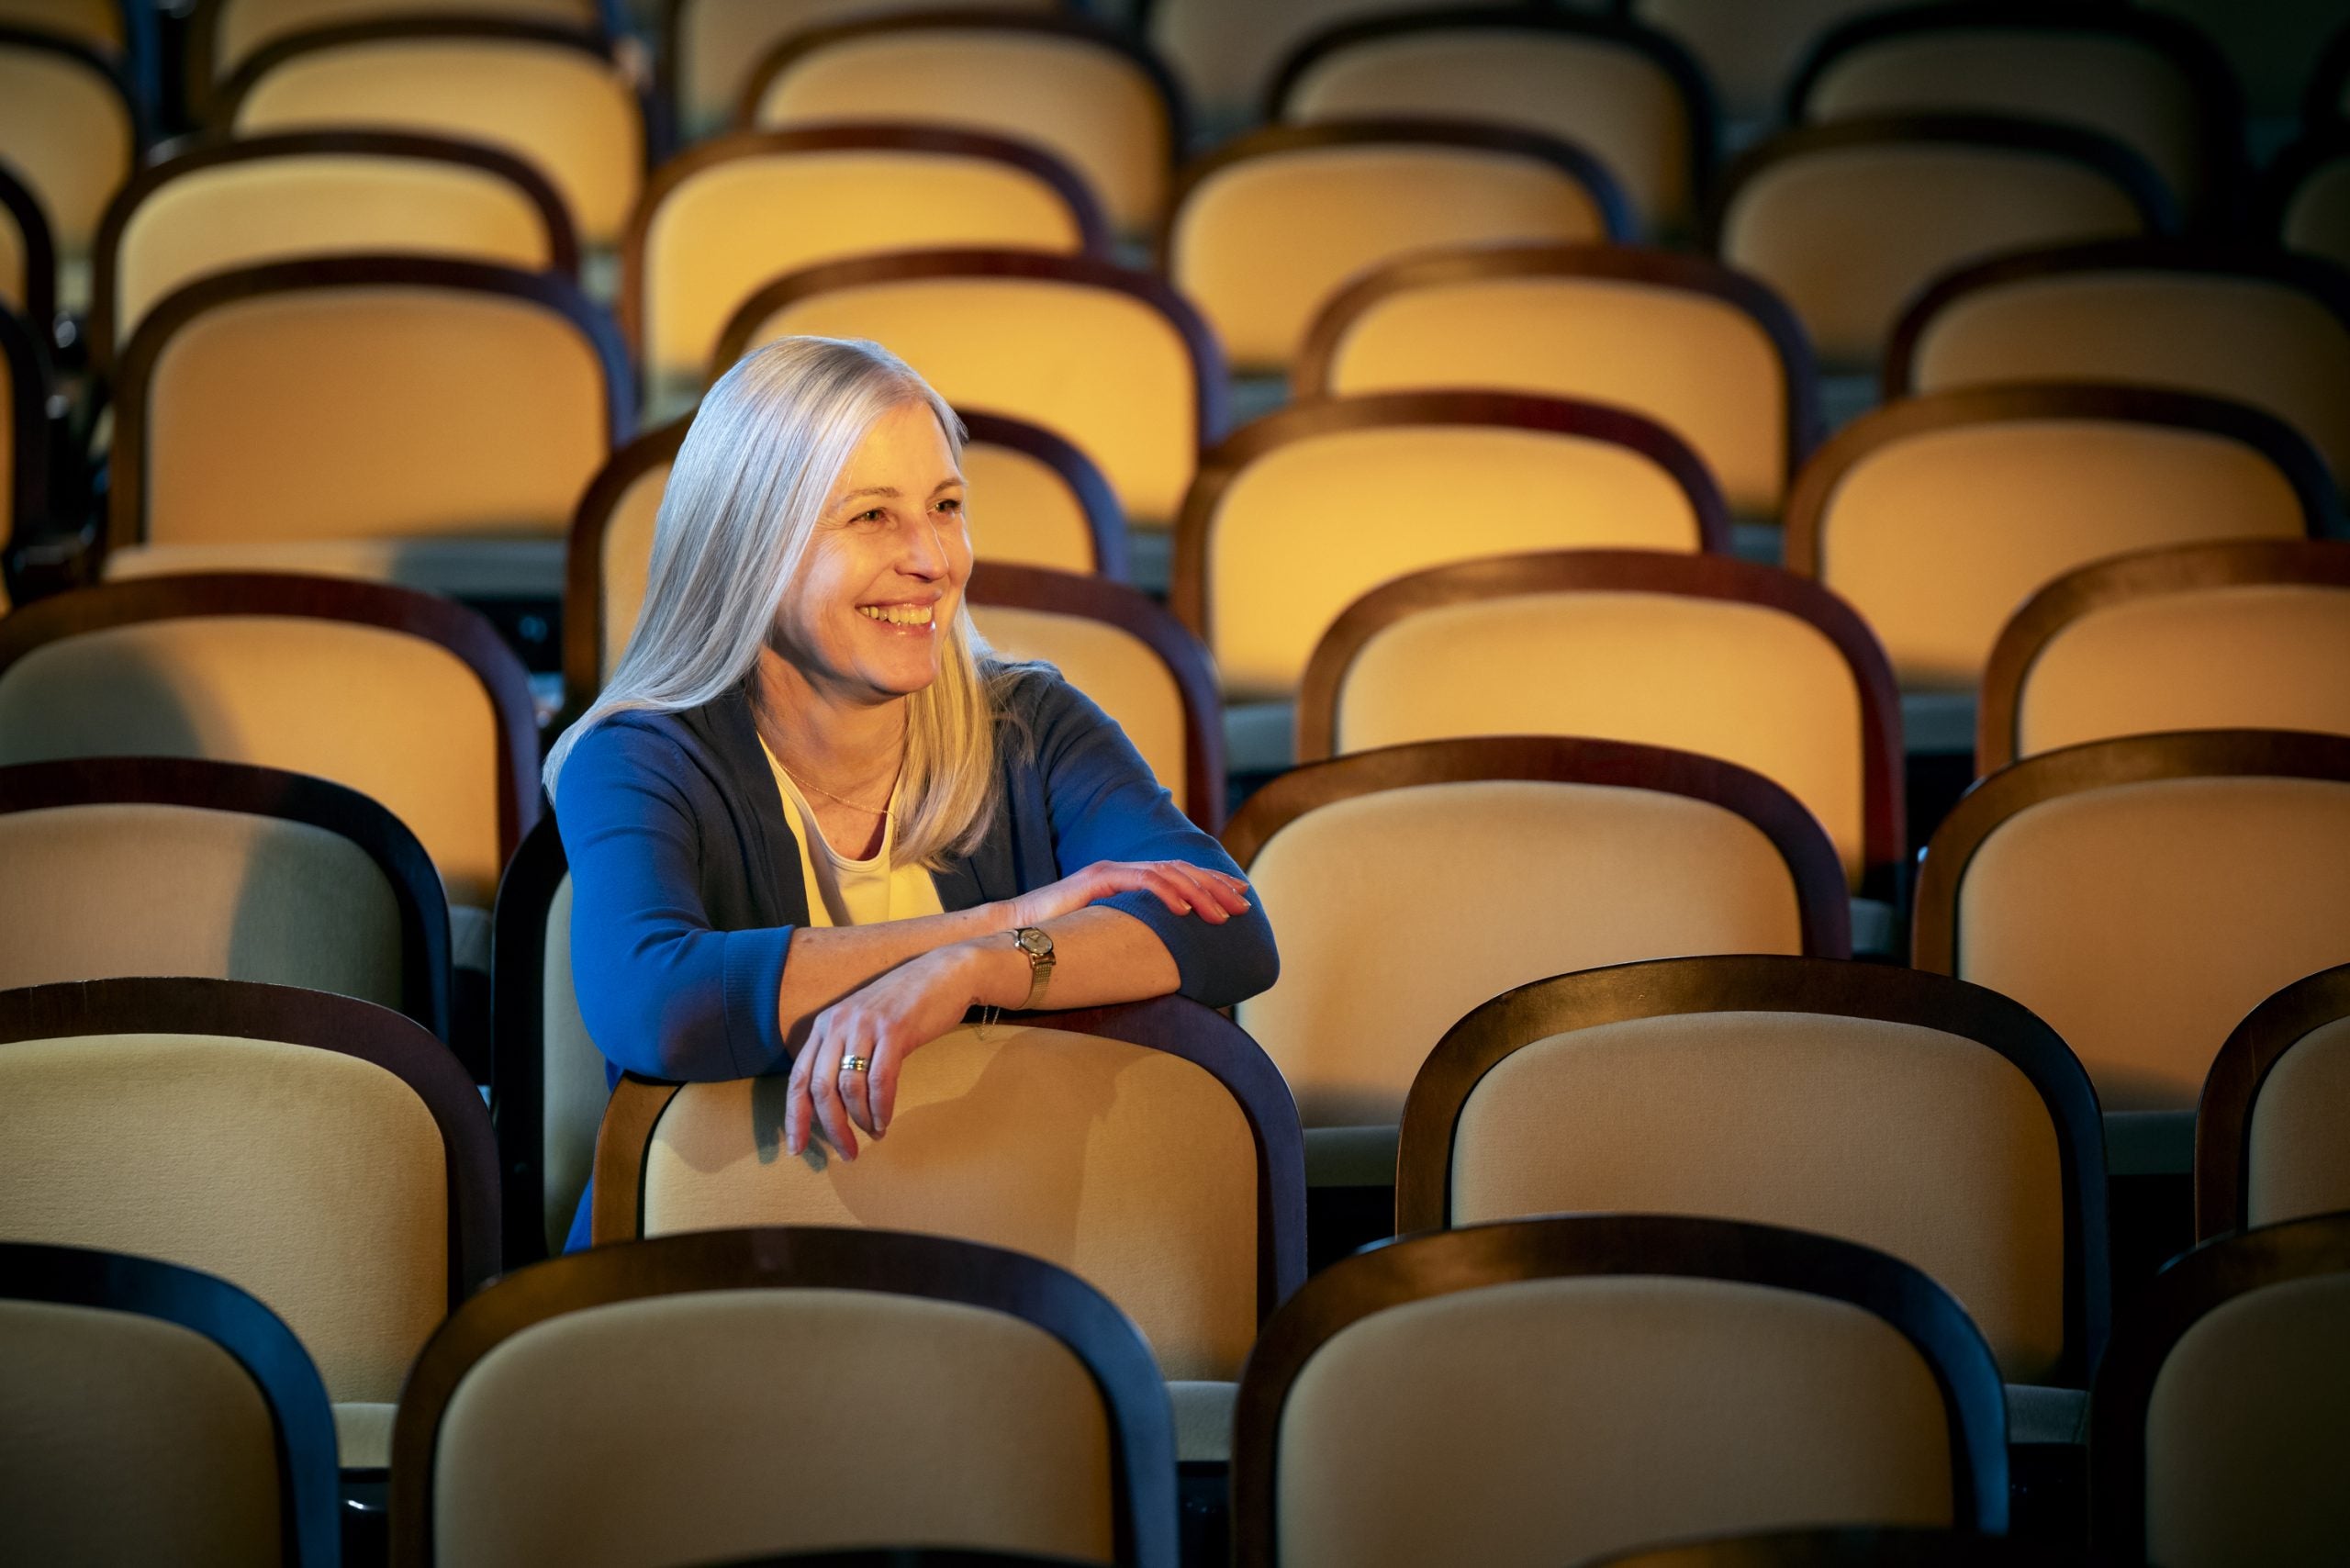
(925, 553)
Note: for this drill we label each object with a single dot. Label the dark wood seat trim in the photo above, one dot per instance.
(2224, 1119)
(461, 633)
(562, 244)
(1105, 519)
(582, 580)
(1223, 464)
(518, 1036)
(2129, 579)
(1141, 1430)
(143, 357)
(1420, 1268)
(21, 210)
(1657, 572)
(2095, 764)
(1039, 589)
(1171, 1023)
(25, 361)
(243, 1010)
(301, 1421)
(1857, 1546)
(1815, 873)
(2190, 1288)
(907, 1557)
(1763, 983)
(1812, 496)
(1663, 270)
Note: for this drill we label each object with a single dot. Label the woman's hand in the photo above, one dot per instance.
(882, 1022)
(1184, 888)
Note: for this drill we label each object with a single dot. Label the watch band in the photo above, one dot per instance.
(1036, 945)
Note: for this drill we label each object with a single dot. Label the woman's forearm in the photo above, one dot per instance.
(825, 963)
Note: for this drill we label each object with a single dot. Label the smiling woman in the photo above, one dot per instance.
(812, 820)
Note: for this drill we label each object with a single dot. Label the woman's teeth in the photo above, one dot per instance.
(897, 614)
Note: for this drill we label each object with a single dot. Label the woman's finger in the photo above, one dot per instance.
(881, 1081)
(1209, 898)
(824, 1091)
(855, 1081)
(798, 1111)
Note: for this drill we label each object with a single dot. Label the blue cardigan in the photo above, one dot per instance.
(687, 883)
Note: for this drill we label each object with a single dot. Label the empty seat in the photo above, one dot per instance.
(1130, 656)
(1266, 229)
(2248, 635)
(152, 1414)
(328, 1154)
(411, 418)
(1704, 653)
(2305, 205)
(2269, 1143)
(1936, 517)
(1705, 351)
(1848, 221)
(972, 1396)
(270, 198)
(1627, 95)
(1112, 360)
(2268, 329)
(1748, 52)
(1543, 1391)
(1076, 87)
(2222, 1421)
(1226, 53)
(1296, 515)
(69, 132)
(223, 34)
(1412, 883)
(27, 255)
(731, 215)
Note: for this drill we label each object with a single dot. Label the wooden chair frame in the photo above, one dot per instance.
(2224, 1119)
(1141, 1432)
(1932, 413)
(2193, 1287)
(443, 622)
(1001, 585)
(2131, 579)
(518, 1036)
(20, 209)
(562, 244)
(2325, 284)
(25, 363)
(319, 1021)
(235, 1322)
(1658, 572)
(1418, 1268)
(137, 365)
(1171, 1023)
(1762, 983)
(1105, 520)
(1222, 466)
(1671, 270)
(1817, 876)
(1860, 1546)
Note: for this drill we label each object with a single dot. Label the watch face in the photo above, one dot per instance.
(1033, 941)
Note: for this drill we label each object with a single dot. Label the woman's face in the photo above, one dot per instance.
(882, 579)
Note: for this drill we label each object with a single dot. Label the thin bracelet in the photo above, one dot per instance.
(988, 1013)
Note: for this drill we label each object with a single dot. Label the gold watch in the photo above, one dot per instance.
(1036, 946)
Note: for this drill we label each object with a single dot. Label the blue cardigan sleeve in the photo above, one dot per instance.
(661, 992)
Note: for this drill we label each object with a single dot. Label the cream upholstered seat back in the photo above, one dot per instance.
(2313, 217)
(67, 124)
(1117, 669)
(1848, 221)
(1748, 52)
(2297, 1165)
(1264, 231)
(95, 22)
(230, 32)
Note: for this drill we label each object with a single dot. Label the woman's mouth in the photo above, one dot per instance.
(907, 615)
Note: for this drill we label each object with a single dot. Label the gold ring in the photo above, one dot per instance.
(854, 1064)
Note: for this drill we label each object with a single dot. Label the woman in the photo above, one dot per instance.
(811, 820)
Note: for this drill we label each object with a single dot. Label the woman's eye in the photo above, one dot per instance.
(875, 515)
(951, 504)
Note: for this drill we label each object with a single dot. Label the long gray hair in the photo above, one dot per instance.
(748, 486)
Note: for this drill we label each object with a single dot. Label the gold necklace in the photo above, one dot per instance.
(869, 811)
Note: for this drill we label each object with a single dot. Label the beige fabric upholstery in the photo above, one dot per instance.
(1745, 682)
(1848, 236)
(573, 115)
(1130, 1167)
(2142, 921)
(2240, 338)
(95, 22)
(628, 558)
(1261, 244)
(1550, 1421)
(277, 691)
(1022, 511)
(362, 1433)
(1919, 1143)
(372, 412)
(715, 238)
(572, 1087)
(269, 209)
(1513, 881)
(1090, 106)
(1699, 366)
(2106, 83)
(246, 25)
(96, 890)
(125, 1439)
(1614, 102)
(2300, 1163)
(1749, 52)
(2317, 220)
(2266, 656)
(1203, 1422)
(2245, 1431)
(1404, 497)
(1112, 666)
(1937, 539)
(68, 138)
(316, 1181)
(1224, 51)
(714, 1431)
(1105, 371)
